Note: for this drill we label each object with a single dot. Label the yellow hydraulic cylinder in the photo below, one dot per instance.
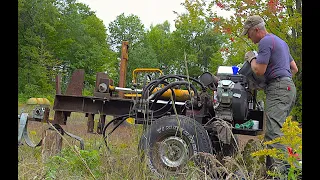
(181, 94)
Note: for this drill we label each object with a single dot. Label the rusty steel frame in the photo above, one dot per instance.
(100, 103)
(90, 105)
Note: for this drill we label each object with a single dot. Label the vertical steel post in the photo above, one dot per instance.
(90, 123)
(123, 66)
(101, 124)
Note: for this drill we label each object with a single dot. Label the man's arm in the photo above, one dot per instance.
(259, 65)
(293, 67)
(258, 69)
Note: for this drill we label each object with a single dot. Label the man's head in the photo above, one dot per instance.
(254, 28)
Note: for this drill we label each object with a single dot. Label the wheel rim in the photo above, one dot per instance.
(173, 151)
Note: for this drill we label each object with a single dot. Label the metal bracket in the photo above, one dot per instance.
(23, 131)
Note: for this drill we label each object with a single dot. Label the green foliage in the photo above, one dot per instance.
(292, 138)
(72, 164)
(159, 38)
(34, 55)
(88, 90)
(125, 28)
(194, 37)
(32, 90)
(57, 37)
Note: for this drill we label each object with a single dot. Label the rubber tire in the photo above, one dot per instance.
(165, 127)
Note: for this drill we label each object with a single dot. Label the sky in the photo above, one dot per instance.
(149, 11)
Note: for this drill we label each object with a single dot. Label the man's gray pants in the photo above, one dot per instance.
(280, 99)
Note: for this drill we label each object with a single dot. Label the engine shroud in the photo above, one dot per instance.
(232, 97)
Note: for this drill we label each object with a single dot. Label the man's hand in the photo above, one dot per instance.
(249, 56)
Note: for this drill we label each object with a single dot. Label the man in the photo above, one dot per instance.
(275, 62)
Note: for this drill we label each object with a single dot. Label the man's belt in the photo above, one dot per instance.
(279, 79)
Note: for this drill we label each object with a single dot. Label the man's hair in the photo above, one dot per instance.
(260, 26)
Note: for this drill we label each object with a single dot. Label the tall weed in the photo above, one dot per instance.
(292, 139)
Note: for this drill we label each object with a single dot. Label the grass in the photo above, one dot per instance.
(122, 162)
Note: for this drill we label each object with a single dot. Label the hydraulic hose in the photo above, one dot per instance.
(180, 77)
(162, 80)
(153, 84)
(123, 117)
(203, 88)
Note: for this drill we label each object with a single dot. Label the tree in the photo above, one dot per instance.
(36, 62)
(159, 38)
(58, 36)
(81, 40)
(125, 28)
(194, 36)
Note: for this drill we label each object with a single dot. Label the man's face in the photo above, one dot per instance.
(252, 34)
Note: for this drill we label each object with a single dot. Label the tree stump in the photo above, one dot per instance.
(51, 143)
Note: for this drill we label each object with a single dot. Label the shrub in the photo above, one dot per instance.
(292, 139)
